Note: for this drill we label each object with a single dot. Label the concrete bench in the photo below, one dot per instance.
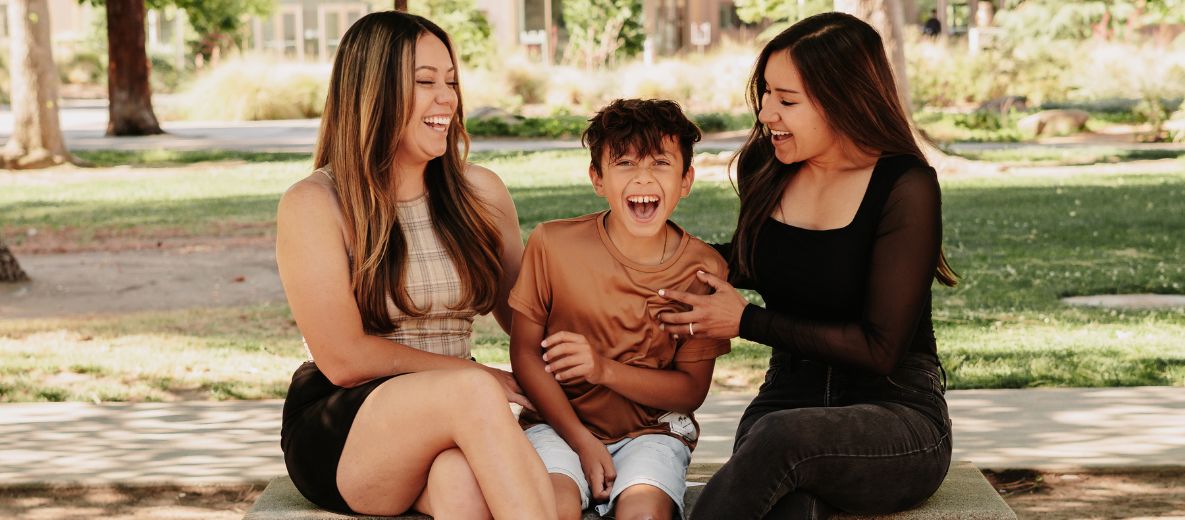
(965, 494)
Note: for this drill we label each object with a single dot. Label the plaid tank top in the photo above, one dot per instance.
(433, 285)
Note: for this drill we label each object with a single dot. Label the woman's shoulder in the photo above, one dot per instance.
(484, 179)
(311, 196)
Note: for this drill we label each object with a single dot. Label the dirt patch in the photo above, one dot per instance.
(104, 282)
(1094, 494)
(128, 502)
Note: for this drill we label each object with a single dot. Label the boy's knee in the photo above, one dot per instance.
(644, 502)
(567, 497)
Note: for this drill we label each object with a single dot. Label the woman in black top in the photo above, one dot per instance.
(840, 232)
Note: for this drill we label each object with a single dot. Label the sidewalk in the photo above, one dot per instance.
(238, 441)
(84, 126)
(85, 122)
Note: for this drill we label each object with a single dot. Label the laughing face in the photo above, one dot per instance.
(797, 128)
(434, 104)
(642, 191)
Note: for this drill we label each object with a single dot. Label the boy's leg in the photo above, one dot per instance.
(651, 478)
(563, 467)
(643, 501)
(567, 497)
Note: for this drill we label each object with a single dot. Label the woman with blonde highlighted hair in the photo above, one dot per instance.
(387, 251)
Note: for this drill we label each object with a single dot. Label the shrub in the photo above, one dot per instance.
(253, 89)
(559, 126)
(83, 68)
(166, 77)
(723, 121)
(526, 80)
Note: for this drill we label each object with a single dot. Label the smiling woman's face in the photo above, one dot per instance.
(434, 104)
(800, 132)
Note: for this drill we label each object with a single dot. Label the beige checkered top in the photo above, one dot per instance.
(432, 284)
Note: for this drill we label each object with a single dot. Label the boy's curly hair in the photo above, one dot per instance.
(639, 126)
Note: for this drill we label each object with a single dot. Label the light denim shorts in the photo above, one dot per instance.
(655, 459)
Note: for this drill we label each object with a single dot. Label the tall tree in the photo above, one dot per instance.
(129, 93)
(886, 17)
(36, 140)
(10, 270)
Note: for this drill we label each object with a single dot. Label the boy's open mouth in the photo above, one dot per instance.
(643, 207)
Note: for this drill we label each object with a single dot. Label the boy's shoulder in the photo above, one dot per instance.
(699, 250)
(566, 228)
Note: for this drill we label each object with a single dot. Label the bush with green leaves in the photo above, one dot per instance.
(602, 32)
(723, 121)
(83, 67)
(558, 126)
(466, 26)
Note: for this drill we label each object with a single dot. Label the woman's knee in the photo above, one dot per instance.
(473, 386)
(453, 490)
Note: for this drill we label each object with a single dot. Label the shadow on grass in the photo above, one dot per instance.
(1071, 156)
(171, 158)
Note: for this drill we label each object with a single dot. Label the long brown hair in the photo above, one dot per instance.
(845, 72)
(368, 106)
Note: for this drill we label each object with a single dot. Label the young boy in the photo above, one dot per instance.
(614, 393)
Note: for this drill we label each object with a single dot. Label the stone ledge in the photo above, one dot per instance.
(965, 494)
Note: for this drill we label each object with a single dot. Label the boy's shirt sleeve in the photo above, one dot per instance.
(695, 348)
(531, 294)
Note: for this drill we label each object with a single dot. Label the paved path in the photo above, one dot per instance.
(236, 441)
(85, 122)
(84, 125)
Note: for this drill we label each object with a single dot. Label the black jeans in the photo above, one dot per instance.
(818, 439)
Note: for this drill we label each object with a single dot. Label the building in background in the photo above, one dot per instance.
(309, 30)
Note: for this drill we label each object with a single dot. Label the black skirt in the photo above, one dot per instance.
(317, 418)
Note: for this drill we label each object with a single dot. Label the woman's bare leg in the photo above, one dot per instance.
(452, 490)
(409, 420)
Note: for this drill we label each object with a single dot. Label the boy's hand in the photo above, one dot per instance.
(570, 358)
(598, 469)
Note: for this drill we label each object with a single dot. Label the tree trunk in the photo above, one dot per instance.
(401, 5)
(909, 12)
(128, 91)
(885, 16)
(10, 270)
(36, 140)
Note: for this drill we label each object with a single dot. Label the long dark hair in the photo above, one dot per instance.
(845, 72)
(368, 105)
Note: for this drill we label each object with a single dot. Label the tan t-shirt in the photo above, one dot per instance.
(574, 279)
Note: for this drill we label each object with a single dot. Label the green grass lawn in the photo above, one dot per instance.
(1021, 243)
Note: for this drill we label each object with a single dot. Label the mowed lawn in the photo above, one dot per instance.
(1020, 242)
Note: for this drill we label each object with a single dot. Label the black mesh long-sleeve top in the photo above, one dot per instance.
(857, 296)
